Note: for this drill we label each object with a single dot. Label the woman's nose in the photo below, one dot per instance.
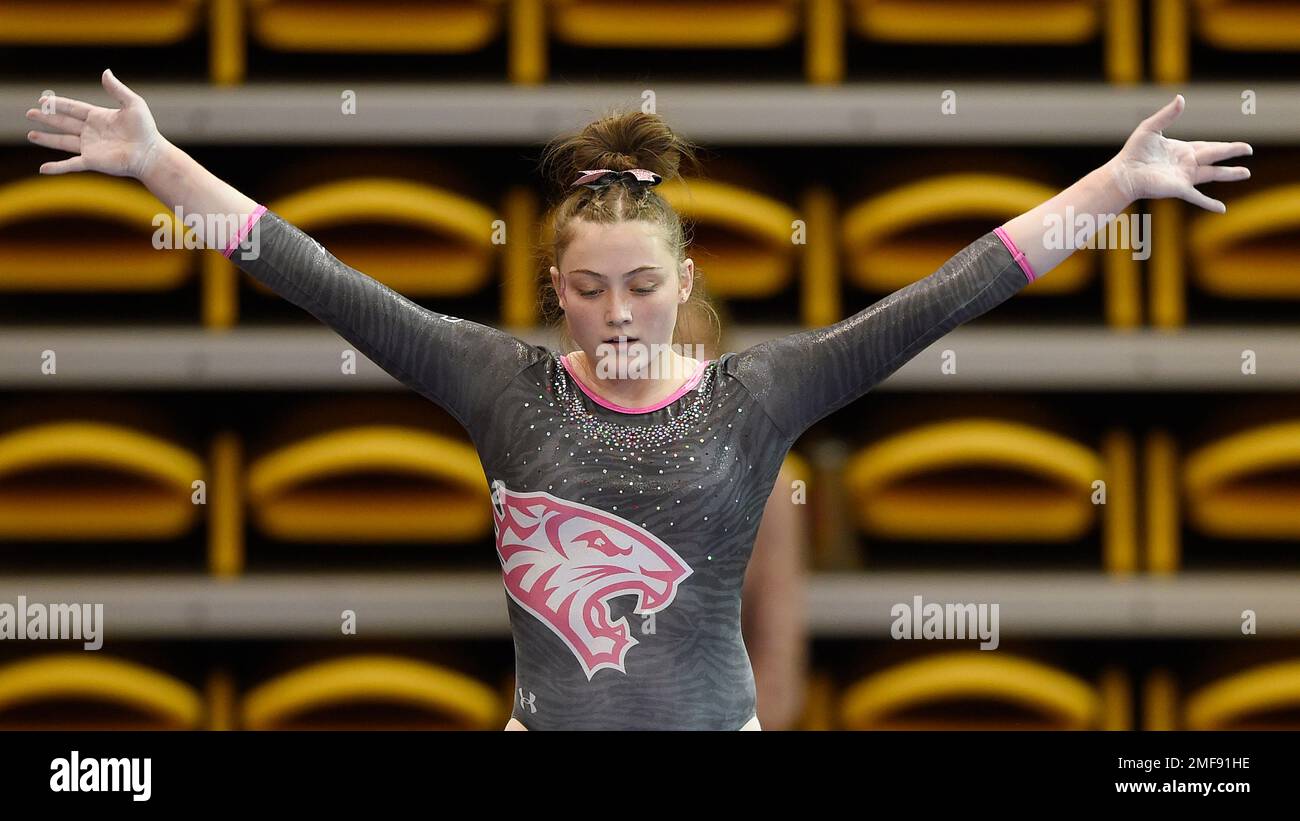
(618, 311)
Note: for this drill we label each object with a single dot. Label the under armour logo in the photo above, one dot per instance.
(527, 703)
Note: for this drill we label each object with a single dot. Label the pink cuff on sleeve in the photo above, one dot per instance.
(243, 232)
(1016, 254)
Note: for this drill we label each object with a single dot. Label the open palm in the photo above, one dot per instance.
(1152, 166)
(117, 141)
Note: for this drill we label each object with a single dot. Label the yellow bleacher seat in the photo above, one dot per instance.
(887, 246)
(385, 26)
(155, 504)
(1230, 492)
(455, 700)
(675, 23)
(168, 703)
(457, 260)
(965, 21)
(1239, 487)
(1250, 24)
(1059, 700)
(446, 500)
(1235, 702)
(105, 229)
(1249, 252)
(898, 487)
(880, 259)
(745, 237)
(1231, 25)
(999, 22)
(97, 22)
(729, 24)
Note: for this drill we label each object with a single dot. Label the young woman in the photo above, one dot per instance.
(626, 498)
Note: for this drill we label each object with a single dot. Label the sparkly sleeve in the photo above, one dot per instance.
(800, 378)
(459, 364)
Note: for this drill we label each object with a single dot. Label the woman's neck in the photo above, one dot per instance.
(649, 387)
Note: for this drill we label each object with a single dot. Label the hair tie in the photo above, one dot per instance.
(602, 177)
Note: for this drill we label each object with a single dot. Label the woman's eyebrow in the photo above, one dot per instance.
(602, 276)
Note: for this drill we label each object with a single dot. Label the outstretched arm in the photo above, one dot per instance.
(456, 363)
(459, 364)
(1149, 166)
(802, 377)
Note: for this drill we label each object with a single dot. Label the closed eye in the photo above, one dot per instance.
(590, 294)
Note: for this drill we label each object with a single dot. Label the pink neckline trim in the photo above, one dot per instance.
(605, 403)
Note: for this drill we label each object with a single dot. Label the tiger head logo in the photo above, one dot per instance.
(563, 561)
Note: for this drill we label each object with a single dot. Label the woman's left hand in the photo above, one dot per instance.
(1152, 166)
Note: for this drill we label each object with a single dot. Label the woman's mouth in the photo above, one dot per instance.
(617, 340)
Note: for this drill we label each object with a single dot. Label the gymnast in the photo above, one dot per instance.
(625, 500)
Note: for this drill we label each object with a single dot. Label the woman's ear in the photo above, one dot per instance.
(558, 284)
(686, 279)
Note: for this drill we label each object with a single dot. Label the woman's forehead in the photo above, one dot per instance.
(630, 244)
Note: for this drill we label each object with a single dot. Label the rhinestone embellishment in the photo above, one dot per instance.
(631, 436)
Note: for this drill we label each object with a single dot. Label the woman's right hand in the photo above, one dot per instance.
(119, 141)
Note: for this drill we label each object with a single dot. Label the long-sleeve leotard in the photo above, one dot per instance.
(800, 378)
(623, 537)
(459, 364)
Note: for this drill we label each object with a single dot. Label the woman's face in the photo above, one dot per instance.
(617, 280)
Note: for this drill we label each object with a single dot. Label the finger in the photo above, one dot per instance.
(1220, 173)
(1162, 118)
(1196, 198)
(1211, 152)
(117, 89)
(69, 106)
(63, 142)
(77, 163)
(61, 122)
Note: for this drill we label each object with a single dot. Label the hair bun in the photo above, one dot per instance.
(620, 141)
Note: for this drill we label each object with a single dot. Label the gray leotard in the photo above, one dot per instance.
(623, 537)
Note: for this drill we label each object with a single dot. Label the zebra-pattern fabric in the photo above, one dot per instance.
(624, 537)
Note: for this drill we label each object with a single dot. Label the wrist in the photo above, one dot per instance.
(1116, 184)
(159, 159)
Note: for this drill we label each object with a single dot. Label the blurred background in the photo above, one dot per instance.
(180, 445)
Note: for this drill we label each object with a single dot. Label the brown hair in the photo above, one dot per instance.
(622, 141)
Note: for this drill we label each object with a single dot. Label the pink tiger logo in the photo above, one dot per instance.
(562, 561)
